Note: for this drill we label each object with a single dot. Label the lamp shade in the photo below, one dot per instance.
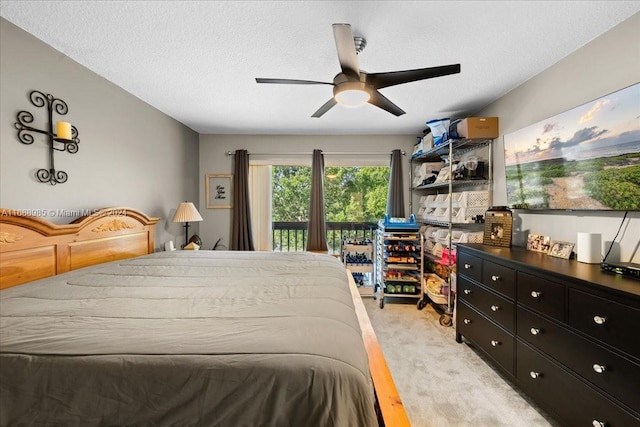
(187, 212)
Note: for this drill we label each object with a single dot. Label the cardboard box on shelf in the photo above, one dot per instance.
(478, 127)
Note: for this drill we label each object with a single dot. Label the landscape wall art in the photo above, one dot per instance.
(587, 158)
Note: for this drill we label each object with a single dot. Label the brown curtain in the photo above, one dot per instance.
(395, 199)
(317, 229)
(241, 237)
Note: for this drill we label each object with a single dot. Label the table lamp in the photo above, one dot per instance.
(186, 213)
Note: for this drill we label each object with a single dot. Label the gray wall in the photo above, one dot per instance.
(217, 222)
(130, 154)
(606, 64)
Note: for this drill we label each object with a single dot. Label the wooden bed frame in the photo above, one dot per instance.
(391, 412)
(33, 248)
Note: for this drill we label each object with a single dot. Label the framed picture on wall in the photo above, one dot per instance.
(218, 191)
(589, 152)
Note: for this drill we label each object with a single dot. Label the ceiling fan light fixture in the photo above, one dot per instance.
(352, 98)
(352, 94)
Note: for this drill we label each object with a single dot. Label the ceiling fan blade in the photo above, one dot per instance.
(380, 80)
(326, 107)
(346, 48)
(379, 100)
(291, 82)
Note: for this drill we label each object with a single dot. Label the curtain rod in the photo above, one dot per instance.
(329, 153)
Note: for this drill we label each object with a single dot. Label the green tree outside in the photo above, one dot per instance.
(291, 187)
(351, 194)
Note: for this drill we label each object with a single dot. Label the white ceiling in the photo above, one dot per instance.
(197, 60)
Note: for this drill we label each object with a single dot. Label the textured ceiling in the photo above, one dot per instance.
(197, 60)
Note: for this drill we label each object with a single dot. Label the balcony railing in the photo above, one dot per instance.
(292, 236)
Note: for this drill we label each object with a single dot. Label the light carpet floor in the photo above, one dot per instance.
(443, 383)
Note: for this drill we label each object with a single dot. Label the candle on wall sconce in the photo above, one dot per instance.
(65, 137)
(63, 130)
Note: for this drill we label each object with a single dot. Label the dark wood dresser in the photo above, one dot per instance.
(566, 333)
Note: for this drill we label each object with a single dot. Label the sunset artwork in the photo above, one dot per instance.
(587, 158)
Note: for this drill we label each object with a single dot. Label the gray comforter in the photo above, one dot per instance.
(185, 338)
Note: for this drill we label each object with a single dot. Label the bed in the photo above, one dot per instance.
(96, 329)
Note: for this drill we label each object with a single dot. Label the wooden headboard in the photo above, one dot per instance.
(33, 248)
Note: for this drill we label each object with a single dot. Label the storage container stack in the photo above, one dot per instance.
(466, 206)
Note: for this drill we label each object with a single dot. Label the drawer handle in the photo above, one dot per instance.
(495, 343)
(599, 368)
(467, 291)
(535, 331)
(535, 294)
(534, 375)
(495, 307)
(495, 278)
(467, 266)
(600, 320)
(467, 321)
(597, 423)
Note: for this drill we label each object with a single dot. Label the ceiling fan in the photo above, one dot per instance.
(353, 87)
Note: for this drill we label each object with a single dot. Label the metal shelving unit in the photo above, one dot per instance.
(454, 184)
(448, 151)
(359, 257)
(399, 263)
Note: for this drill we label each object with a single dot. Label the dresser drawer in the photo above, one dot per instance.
(490, 338)
(470, 266)
(499, 278)
(495, 307)
(612, 373)
(571, 400)
(541, 295)
(615, 324)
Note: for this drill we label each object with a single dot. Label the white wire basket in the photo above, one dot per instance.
(471, 237)
(442, 200)
(428, 246)
(429, 214)
(466, 215)
(429, 201)
(468, 199)
(441, 214)
(437, 250)
(431, 232)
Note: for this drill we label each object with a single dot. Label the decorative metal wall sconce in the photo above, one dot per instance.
(65, 138)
